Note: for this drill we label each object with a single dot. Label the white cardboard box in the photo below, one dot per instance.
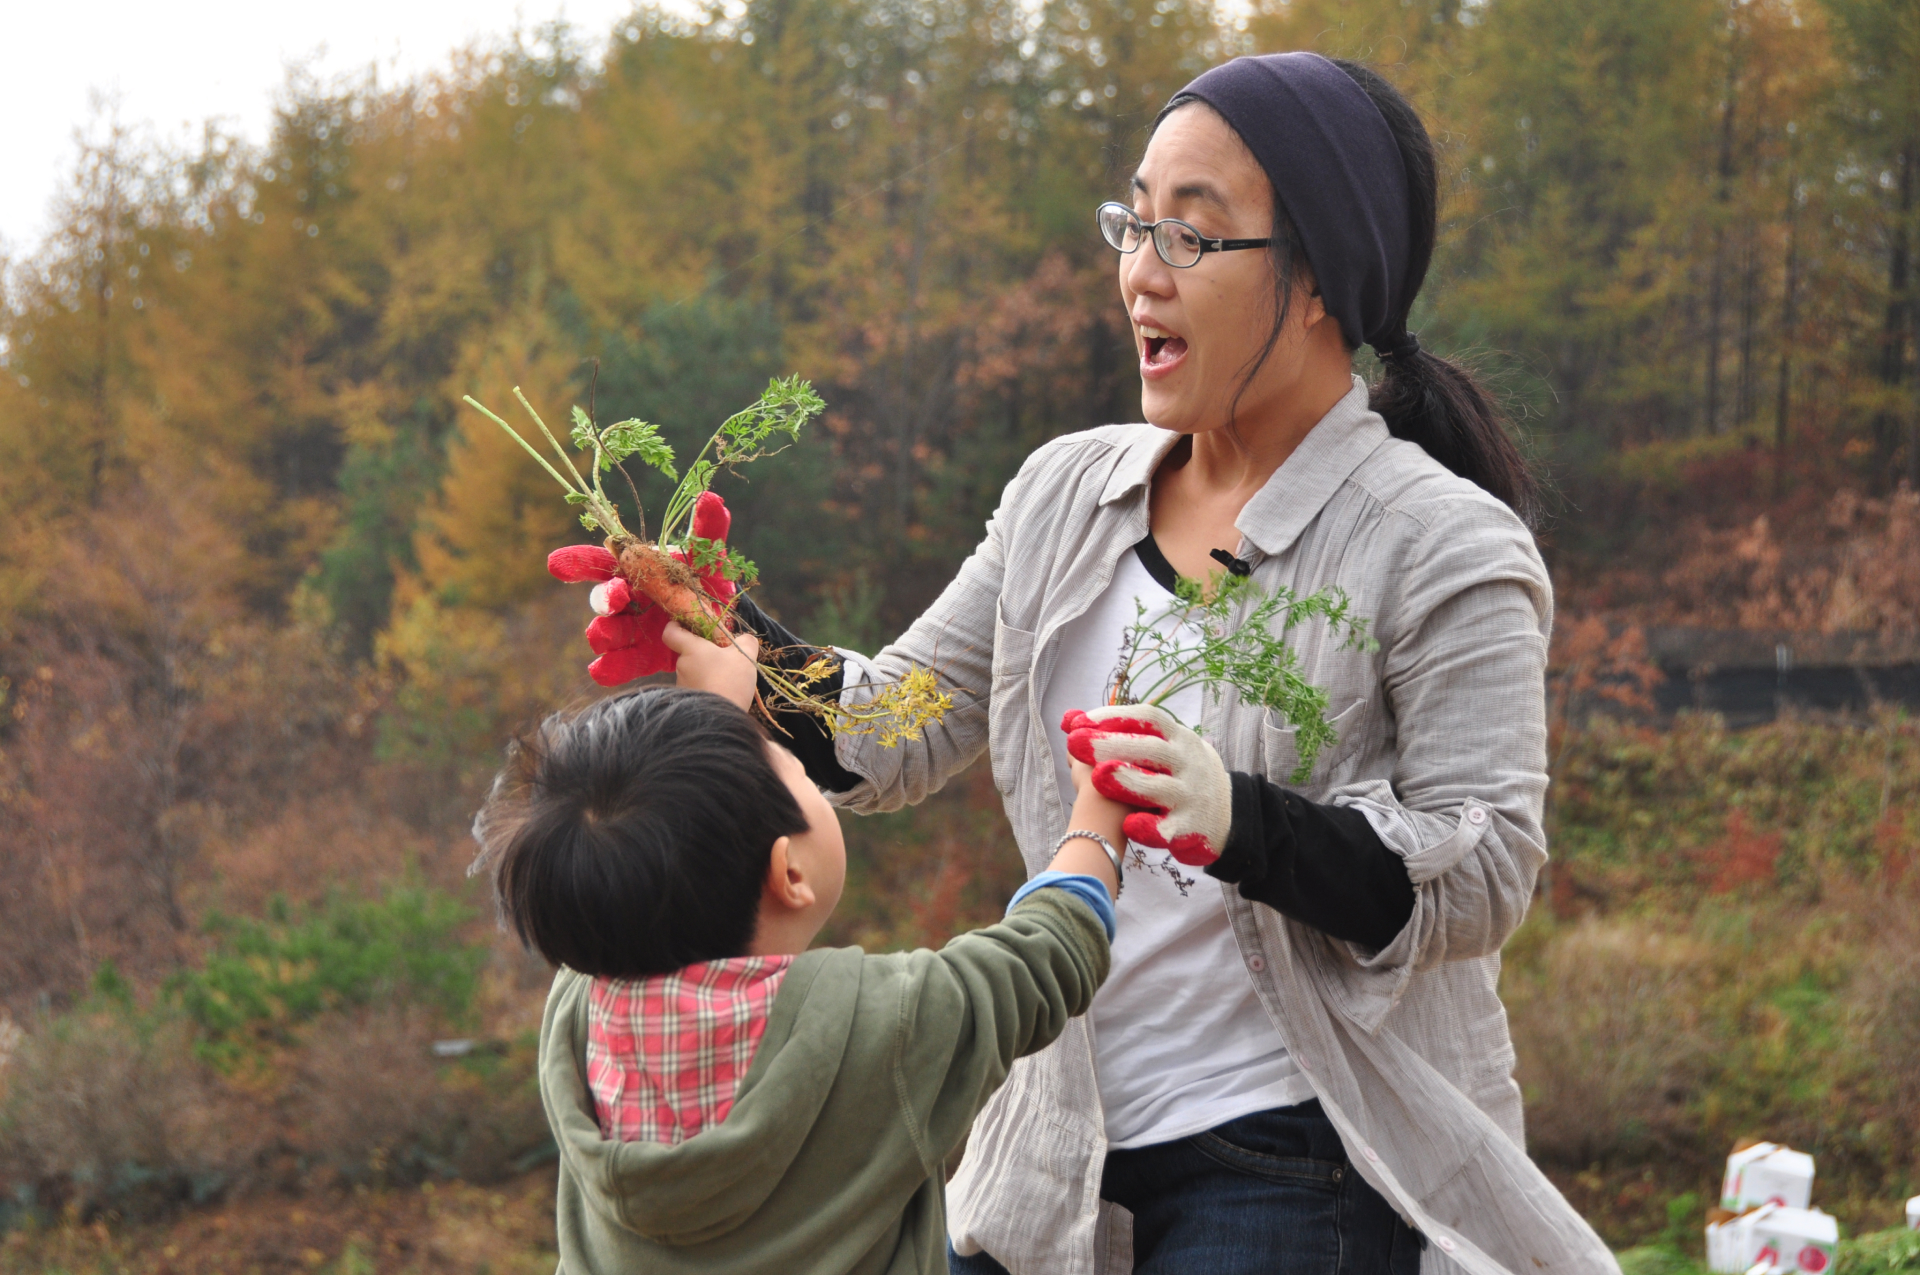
(1774, 1239)
(1798, 1240)
(1731, 1245)
(1767, 1173)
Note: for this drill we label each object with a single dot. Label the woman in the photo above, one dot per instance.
(1307, 1067)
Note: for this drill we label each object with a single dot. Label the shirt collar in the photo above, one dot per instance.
(1138, 459)
(1298, 490)
(1324, 460)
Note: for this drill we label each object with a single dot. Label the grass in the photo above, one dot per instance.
(1728, 944)
(506, 1229)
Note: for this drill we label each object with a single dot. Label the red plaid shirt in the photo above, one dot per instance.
(665, 1055)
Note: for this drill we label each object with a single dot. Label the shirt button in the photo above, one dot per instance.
(1446, 1244)
(1371, 1154)
(1256, 963)
(1475, 815)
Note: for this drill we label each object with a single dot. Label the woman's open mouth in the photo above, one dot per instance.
(1161, 351)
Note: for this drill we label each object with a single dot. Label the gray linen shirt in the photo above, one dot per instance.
(1442, 743)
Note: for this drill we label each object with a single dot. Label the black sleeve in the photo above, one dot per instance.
(1323, 866)
(803, 734)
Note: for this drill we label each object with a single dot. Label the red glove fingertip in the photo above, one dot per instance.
(612, 632)
(1075, 719)
(1193, 850)
(577, 564)
(616, 668)
(1080, 746)
(1143, 828)
(711, 519)
(610, 597)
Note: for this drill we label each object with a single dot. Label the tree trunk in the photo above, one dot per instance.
(1788, 300)
(1744, 405)
(106, 226)
(1717, 288)
(1893, 334)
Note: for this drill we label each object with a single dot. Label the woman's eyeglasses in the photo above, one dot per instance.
(1178, 244)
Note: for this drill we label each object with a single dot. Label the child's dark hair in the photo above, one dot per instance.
(632, 837)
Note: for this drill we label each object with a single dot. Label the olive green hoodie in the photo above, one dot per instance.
(868, 1075)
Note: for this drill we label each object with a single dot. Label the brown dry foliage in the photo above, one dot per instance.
(1746, 856)
(88, 1099)
(1855, 568)
(1592, 663)
(126, 763)
(374, 1104)
(445, 1229)
(1648, 1042)
(1610, 1039)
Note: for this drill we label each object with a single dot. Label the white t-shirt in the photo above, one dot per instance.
(1181, 1041)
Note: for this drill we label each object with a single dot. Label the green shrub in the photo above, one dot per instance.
(265, 975)
(1896, 1250)
(1882, 1251)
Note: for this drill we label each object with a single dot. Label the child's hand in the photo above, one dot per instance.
(727, 671)
(1082, 775)
(1092, 811)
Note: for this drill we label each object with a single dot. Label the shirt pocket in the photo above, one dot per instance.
(1008, 706)
(1282, 755)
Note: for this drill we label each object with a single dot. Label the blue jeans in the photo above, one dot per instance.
(1272, 1191)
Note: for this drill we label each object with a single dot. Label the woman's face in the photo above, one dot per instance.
(1200, 329)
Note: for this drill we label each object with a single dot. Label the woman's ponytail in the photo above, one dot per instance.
(1424, 398)
(1436, 403)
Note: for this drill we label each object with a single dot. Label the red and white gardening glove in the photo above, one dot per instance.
(1144, 758)
(626, 636)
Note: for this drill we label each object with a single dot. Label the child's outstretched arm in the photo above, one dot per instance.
(1010, 989)
(1093, 812)
(1087, 861)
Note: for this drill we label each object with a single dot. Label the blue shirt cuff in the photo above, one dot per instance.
(1089, 890)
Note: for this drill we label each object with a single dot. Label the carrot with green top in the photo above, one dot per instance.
(687, 571)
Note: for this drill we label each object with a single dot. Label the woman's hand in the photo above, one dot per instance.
(1142, 756)
(728, 671)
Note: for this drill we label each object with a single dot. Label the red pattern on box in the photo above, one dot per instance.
(666, 1055)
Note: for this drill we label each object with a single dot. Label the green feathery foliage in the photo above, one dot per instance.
(1231, 634)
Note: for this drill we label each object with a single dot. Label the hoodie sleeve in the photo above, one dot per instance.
(987, 998)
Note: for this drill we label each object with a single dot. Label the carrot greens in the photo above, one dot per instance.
(1229, 634)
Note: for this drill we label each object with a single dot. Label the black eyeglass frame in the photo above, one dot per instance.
(1151, 231)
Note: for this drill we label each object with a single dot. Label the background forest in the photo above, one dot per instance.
(270, 603)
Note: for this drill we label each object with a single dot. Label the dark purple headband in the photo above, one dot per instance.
(1337, 167)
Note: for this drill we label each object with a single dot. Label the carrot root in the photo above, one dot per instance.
(673, 588)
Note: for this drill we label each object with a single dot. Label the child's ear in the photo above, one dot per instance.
(785, 884)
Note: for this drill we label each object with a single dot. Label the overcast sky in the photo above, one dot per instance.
(176, 63)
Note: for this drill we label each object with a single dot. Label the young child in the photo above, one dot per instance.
(724, 1099)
